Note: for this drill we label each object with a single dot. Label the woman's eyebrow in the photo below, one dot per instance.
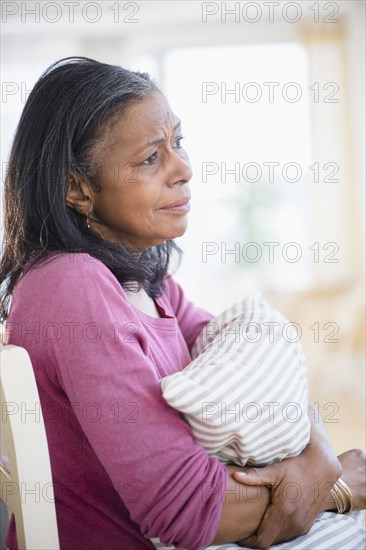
(157, 141)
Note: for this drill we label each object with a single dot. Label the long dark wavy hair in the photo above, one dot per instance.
(61, 123)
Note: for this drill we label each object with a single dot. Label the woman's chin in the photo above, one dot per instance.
(179, 232)
(166, 234)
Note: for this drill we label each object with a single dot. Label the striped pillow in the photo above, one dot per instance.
(245, 392)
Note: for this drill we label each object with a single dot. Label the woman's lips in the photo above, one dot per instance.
(180, 206)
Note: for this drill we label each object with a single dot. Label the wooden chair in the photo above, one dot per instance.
(26, 480)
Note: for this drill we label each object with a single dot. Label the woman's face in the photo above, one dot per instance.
(143, 172)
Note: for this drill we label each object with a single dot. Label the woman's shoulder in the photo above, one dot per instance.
(62, 271)
(63, 264)
(69, 284)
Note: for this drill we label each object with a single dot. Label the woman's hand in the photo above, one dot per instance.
(280, 512)
(300, 486)
(354, 474)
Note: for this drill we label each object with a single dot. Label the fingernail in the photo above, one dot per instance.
(241, 474)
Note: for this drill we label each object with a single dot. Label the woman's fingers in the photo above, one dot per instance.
(269, 475)
(250, 542)
(270, 529)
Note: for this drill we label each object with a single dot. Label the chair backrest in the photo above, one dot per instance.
(26, 480)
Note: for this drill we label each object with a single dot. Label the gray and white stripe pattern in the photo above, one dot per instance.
(245, 392)
(245, 398)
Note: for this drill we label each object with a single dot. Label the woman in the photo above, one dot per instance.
(97, 188)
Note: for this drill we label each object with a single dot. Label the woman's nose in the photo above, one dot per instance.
(180, 169)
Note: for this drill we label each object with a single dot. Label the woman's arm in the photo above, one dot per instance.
(354, 474)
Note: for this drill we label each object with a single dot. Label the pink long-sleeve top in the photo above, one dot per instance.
(124, 463)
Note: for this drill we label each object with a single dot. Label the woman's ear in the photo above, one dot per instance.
(79, 194)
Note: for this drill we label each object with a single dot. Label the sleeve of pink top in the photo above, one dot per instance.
(172, 488)
(191, 319)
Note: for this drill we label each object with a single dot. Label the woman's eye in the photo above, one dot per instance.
(178, 140)
(151, 159)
